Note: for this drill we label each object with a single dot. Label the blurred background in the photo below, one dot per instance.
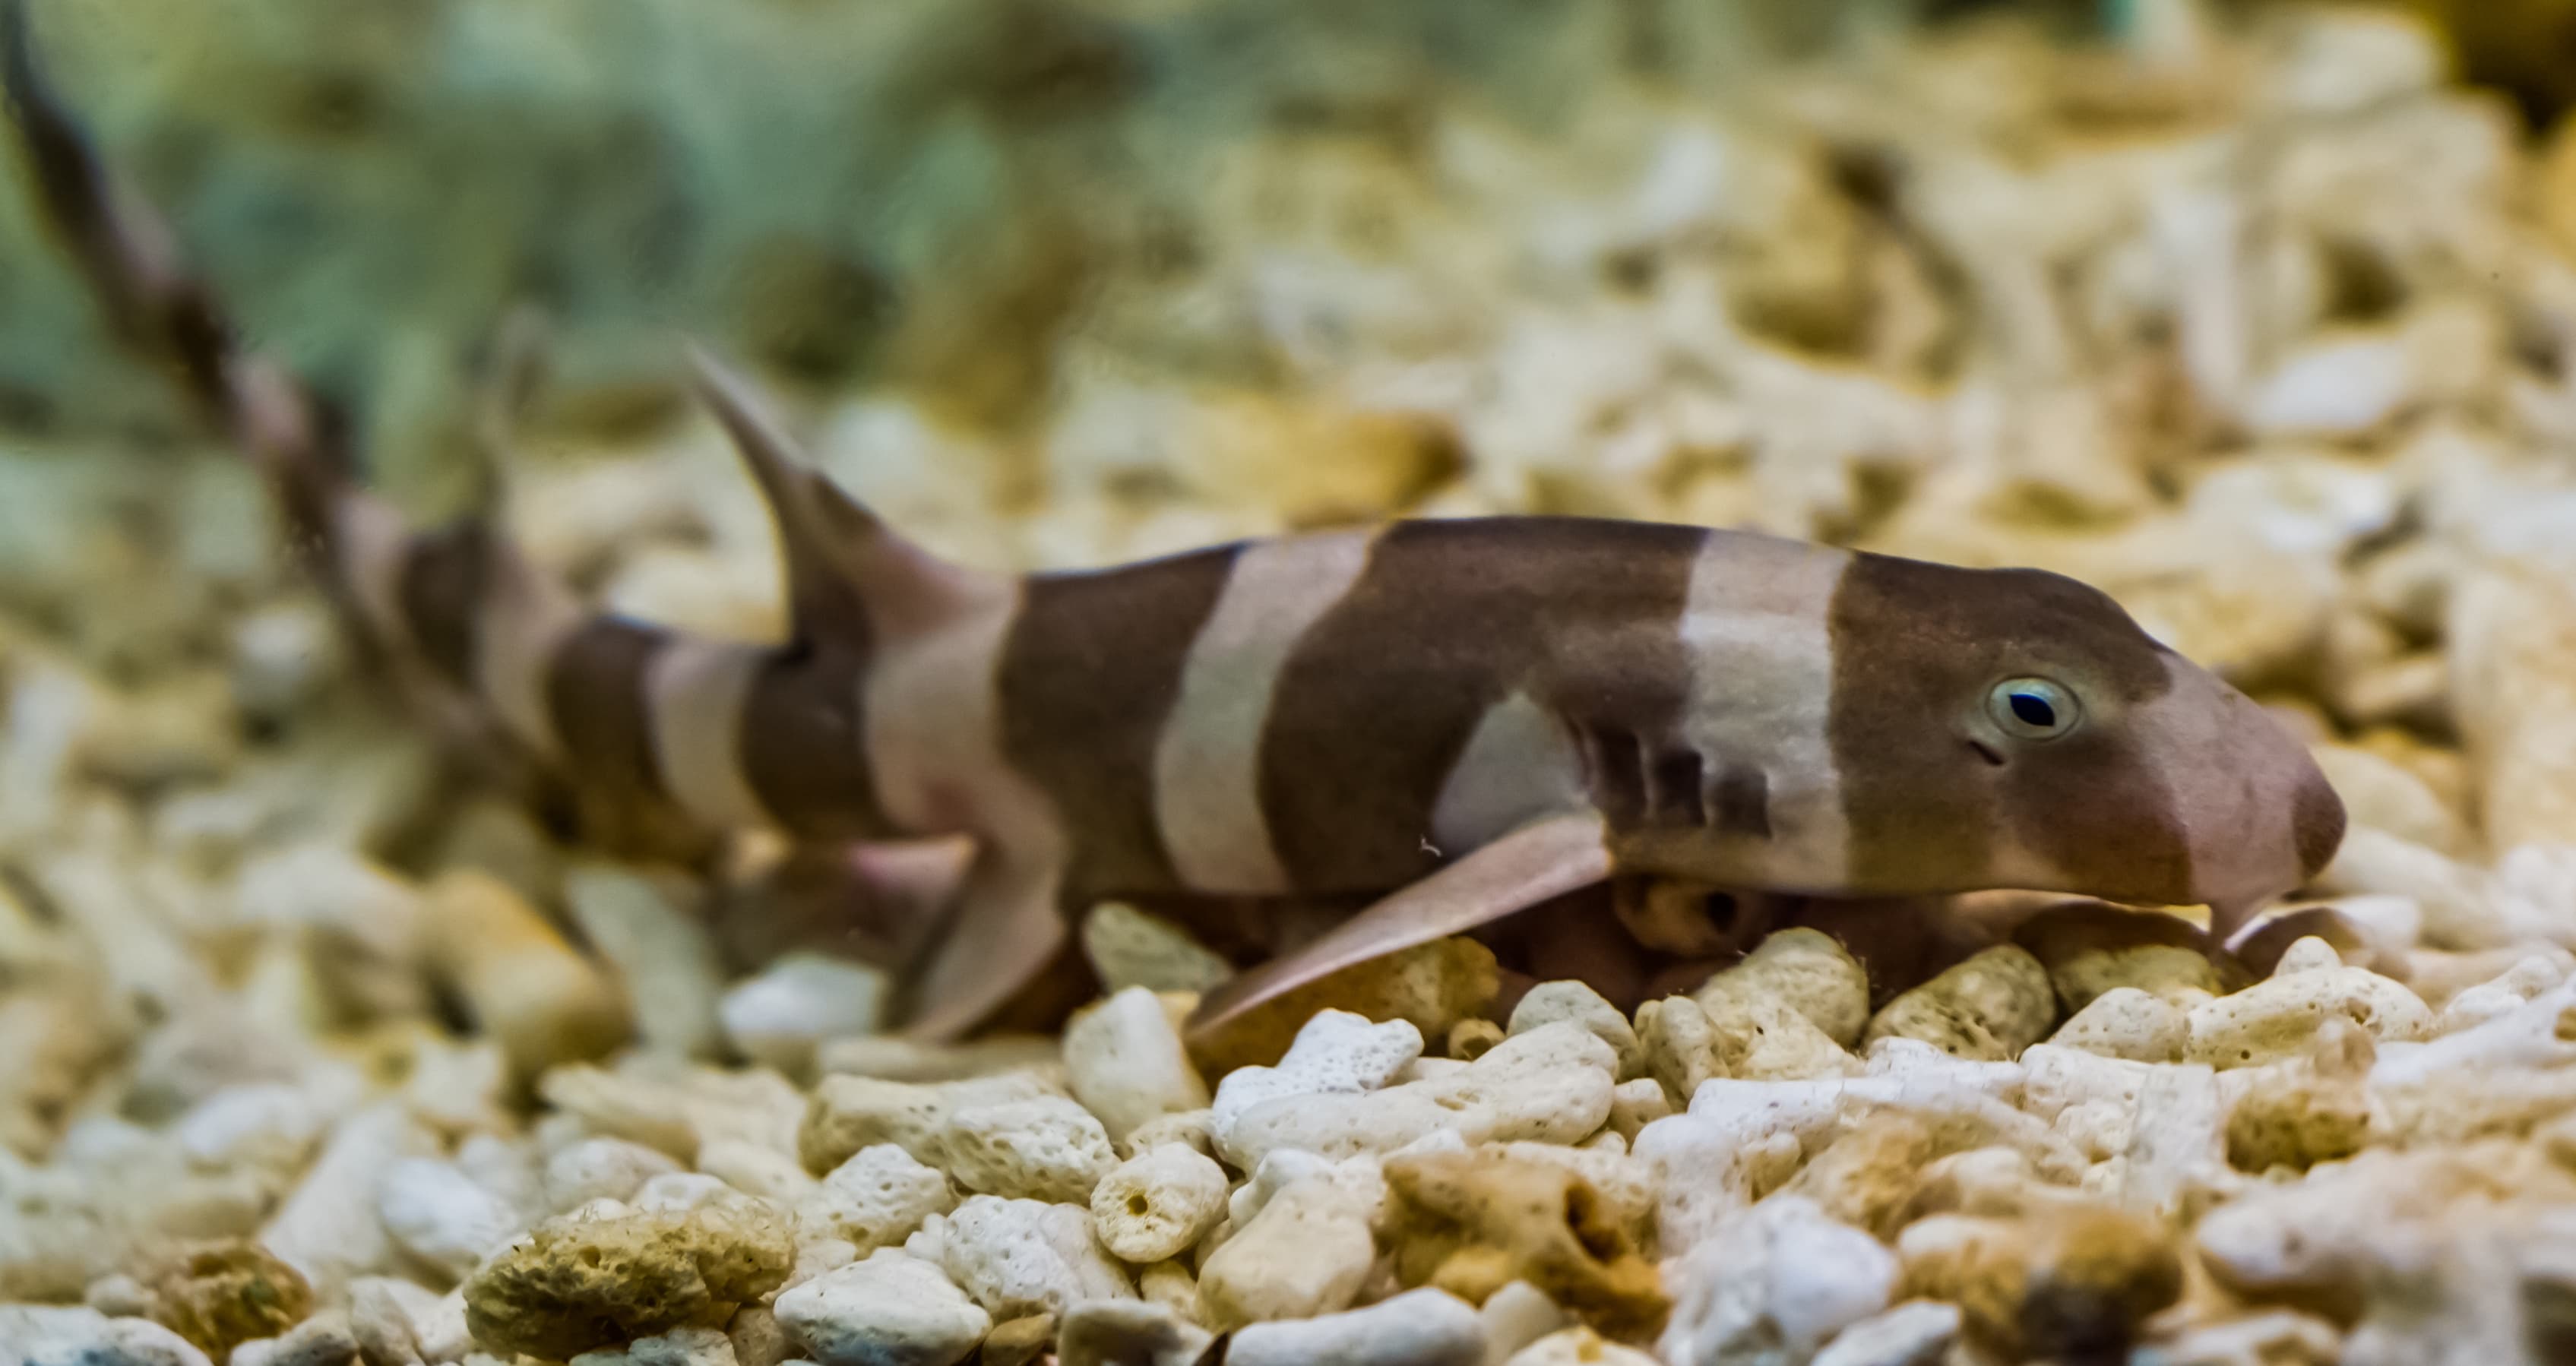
(1018, 213)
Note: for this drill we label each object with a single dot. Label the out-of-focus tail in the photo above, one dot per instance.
(657, 742)
(131, 261)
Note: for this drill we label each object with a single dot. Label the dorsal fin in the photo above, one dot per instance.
(847, 571)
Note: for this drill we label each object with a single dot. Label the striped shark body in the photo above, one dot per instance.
(1447, 722)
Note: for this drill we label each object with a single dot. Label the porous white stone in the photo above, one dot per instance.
(876, 1199)
(1302, 1244)
(1125, 1063)
(678, 1347)
(442, 1216)
(1041, 1148)
(1158, 1203)
(1578, 1347)
(1019, 1257)
(1780, 1274)
(1335, 1053)
(36, 1335)
(1550, 1002)
(1416, 1328)
(328, 1228)
(1916, 1333)
(601, 1169)
(1516, 1316)
(2275, 1018)
(799, 1002)
(890, 1310)
(1551, 1085)
(1128, 1333)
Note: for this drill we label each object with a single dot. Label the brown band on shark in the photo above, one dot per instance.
(1741, 801)
(1101, 655)
(126, 253)
(1579, 614)
(596, 690)
(1675, 788)
(803, 742)
(444, 577)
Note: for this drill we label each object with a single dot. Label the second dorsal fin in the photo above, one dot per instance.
(849, 575)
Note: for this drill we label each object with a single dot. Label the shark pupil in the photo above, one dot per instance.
(2033, 709)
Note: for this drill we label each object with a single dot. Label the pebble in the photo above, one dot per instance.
(1550, 1002)
(1429, 986)
(273, 1125)
(2073, 1282)
(1132, 949)
(1806, 970)
(1128, 1333)
(1763, 1039)
(678, 1347)
(545, 1003)
(1018, 1257)
(1636, 1104)
(1303, 1243)
(847, 1113)
(662, 953)
(42, 1335)
(1472, 1223)
(1989, 1007)
(2275, 1018)
(1915, 1333)
(1125, 1062)
(328, 1229)
(1578, 1347)
(2312, 1115)
(1515, 1317)
(576, 1284)
(601, 1169)
(2090, 948)
(443, 1217)
(1022, 1341)
(1159, 1203)
(1417, 1328)
(2126, 1022)
(2278, 1337)
(890, 1310)
(756, 1170)
(800, 1002)
(875, 1199)
(897, 1059)
(1780, 1277)
(1679, 1046)
(1336, 1053)
(1041, 1148)
(218, 1295)
(1550, 1085)
(323, 1340)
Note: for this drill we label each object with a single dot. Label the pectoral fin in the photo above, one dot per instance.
(1530, 865)
(1007, 931)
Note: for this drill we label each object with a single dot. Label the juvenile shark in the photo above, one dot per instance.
(1449, 720)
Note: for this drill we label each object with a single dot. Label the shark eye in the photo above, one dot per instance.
(2033, 708)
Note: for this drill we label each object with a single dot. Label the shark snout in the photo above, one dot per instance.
(2259, 818)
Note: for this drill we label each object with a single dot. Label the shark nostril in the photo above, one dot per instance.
(1986, 753)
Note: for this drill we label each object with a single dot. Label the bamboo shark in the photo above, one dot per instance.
(1449, 720)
